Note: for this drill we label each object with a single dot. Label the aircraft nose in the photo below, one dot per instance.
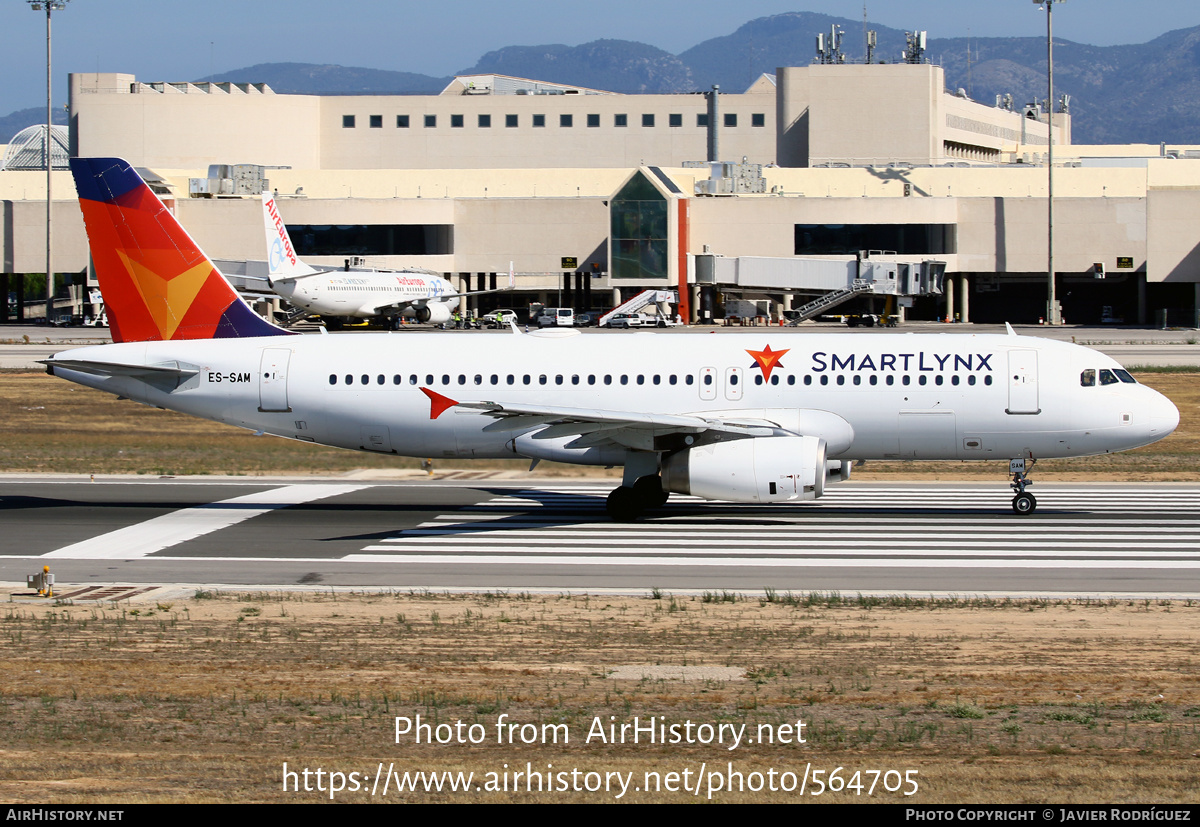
(1163, 416)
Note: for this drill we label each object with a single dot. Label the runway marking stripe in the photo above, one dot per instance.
(558, 529)
(945, 549)
(742, 562)
(168, 530)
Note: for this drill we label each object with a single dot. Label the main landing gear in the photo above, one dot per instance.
(1023, 503)
(626, 504)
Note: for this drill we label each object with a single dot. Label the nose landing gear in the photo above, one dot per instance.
(1023, 503)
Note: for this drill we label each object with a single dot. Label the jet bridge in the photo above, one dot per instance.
(827, 280)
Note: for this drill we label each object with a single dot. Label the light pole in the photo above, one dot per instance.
(1053, 316)
(49, 6)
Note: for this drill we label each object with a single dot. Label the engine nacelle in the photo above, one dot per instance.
(436, 312)
(755, 470)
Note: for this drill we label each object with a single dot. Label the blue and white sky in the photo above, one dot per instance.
(176, 40)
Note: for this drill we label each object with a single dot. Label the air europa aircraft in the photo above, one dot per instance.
(357, 294)
(758, 417)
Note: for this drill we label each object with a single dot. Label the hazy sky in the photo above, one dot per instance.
(174, 40)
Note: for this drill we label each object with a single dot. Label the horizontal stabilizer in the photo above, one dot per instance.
(120, 369)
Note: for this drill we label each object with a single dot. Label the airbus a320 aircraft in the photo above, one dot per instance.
(356, 294)
(760, 417)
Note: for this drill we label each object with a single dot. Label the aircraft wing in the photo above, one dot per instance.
(444, 297)
(587, 420)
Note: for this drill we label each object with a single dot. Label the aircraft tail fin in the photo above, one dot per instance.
(281, 255)
(157, 283)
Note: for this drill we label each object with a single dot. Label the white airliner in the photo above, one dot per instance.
(356, 293)
(758, 417)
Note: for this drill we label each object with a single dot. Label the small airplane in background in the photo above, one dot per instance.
(339, 295)
(762, 417)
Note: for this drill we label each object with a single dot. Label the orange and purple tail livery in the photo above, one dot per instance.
(157, 284)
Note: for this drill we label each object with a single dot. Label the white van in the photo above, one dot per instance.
(556, 317)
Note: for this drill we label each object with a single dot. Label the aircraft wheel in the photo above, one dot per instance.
(623, 505)
(649, 491)
(1024, 503)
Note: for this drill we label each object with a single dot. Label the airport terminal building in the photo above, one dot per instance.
(869, 170)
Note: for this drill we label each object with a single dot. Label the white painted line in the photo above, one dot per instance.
(744, 563)
(189, 523)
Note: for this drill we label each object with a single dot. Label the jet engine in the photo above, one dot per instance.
(436, 312)
(752, 470)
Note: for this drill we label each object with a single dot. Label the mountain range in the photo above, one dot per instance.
(1144, 93)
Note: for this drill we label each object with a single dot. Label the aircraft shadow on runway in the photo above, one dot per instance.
(556, 509)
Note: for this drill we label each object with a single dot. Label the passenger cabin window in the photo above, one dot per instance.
(1087, 379)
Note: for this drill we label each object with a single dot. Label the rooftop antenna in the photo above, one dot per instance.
(871, 43)
(866, 41)
(829, 47)
(915, 43)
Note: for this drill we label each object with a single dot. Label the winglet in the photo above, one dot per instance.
(1008, 327)
(512, 277)
(438, 404)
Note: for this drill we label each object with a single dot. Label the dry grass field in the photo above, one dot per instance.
(205, 699)
(54, 426)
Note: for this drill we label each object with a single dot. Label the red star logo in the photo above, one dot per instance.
(768, 360)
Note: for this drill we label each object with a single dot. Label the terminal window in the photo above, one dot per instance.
(593, 120)
(758, 119)
(402, 121)
(539, 120)
(647, 120)
(347, 121)
(566, 120)
(674, 120)
(372, 239)
(620, 120)
(456, 121)
(702, 119)
(904, 239)
(638, 227)
(510, 120)
(377, 121)
(731, 119)
(485, 121)
(430, 121)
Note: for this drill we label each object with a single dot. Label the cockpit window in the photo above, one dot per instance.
(1124, 376)
(1088, 378)
(1107, 378)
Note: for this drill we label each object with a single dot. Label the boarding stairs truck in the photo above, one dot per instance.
(661, 298)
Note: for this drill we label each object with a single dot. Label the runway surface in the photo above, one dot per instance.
(1137, 540)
